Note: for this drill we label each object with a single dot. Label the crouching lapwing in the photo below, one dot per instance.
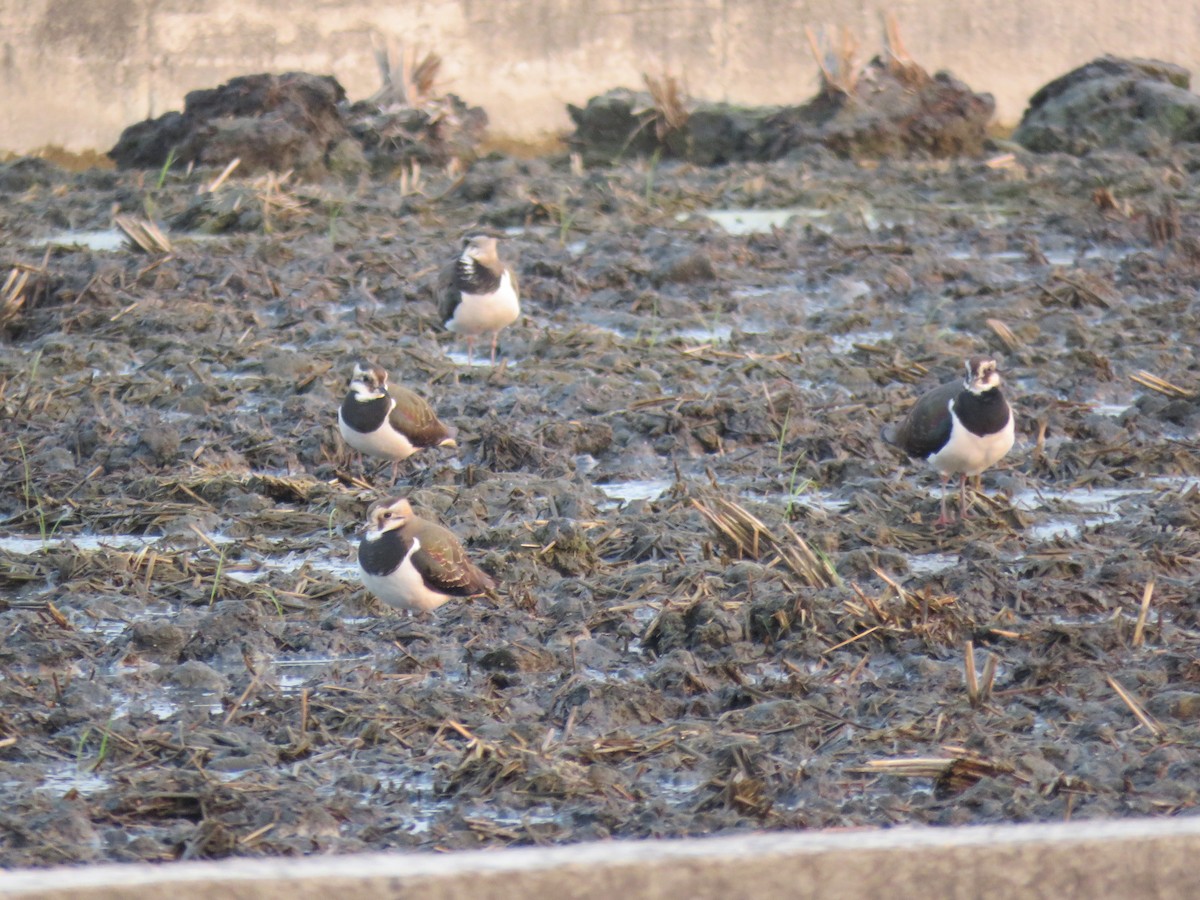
(410, 563)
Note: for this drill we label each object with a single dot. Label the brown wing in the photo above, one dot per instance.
(448, 294)
(443, 563)
(928, 425)
(416, 419)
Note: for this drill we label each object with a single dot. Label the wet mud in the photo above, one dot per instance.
(723, 605)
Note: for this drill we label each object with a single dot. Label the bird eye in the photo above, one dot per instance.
(387, 515)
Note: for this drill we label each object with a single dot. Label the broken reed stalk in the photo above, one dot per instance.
(420, 77)
(749, 538)
(221, 179)
(891, 41)
(407, 83)
(972, 678)
(1139, 630)
(1154, 383)
(1005, 334)
(979, 690)
(838, 65)
(1154, 727)
(989, 677)
(143, 234)
(12, 295)
(956, 771)
(670, 107)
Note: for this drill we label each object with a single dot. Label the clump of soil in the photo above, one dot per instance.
(894, 108)
(1142, 105)
(302, 122)
(723, 605)
(890, 108)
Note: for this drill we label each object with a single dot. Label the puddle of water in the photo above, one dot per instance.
(1115, 410)
(157, 705)
(1088, 619)
(930, 563)
(1087, 499)
(1059, 257)
(321, 561)
(844, 343)
(65, 778)
(715, 334)
(106, 628)
(1096, 506)
(755, 221)
(1001, 256)
(481, 360)
(291, 682)
(20, 545)
(645, 489)
(1070, 257)
(810, 498)
(296, 673)
(1178, 484)
(105, 240)
(1066, 528)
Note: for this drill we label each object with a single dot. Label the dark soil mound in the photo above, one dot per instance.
(1142, 105)
(301, 122)
(269, 122)
(891, 108)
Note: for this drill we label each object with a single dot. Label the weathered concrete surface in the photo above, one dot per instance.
(74, 74)
(1130, 859)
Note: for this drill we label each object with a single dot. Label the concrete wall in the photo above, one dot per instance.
(73, 73)
(1130, 859)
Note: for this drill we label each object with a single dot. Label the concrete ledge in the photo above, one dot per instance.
(1126, 858)
(75, 73)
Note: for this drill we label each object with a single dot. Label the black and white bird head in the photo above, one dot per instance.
(387, 515)
(482, 249)
(982, 374)
(369, 381)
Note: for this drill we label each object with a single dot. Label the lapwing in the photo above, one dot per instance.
(961, 428)
(388, 422)
(410, 563)
(477, 293)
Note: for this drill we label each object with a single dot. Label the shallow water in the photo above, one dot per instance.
(643, 489)
(753, 221)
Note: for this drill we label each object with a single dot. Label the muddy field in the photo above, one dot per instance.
(724, 605)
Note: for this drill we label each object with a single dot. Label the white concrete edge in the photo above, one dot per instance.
(402, 866)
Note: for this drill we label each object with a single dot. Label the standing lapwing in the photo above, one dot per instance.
(389, 423)
(961, 428)
(477, 293)
(413, 564)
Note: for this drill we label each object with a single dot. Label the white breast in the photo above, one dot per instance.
(403, 587)
(481, 313)
(969, 454)
(384, 442)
